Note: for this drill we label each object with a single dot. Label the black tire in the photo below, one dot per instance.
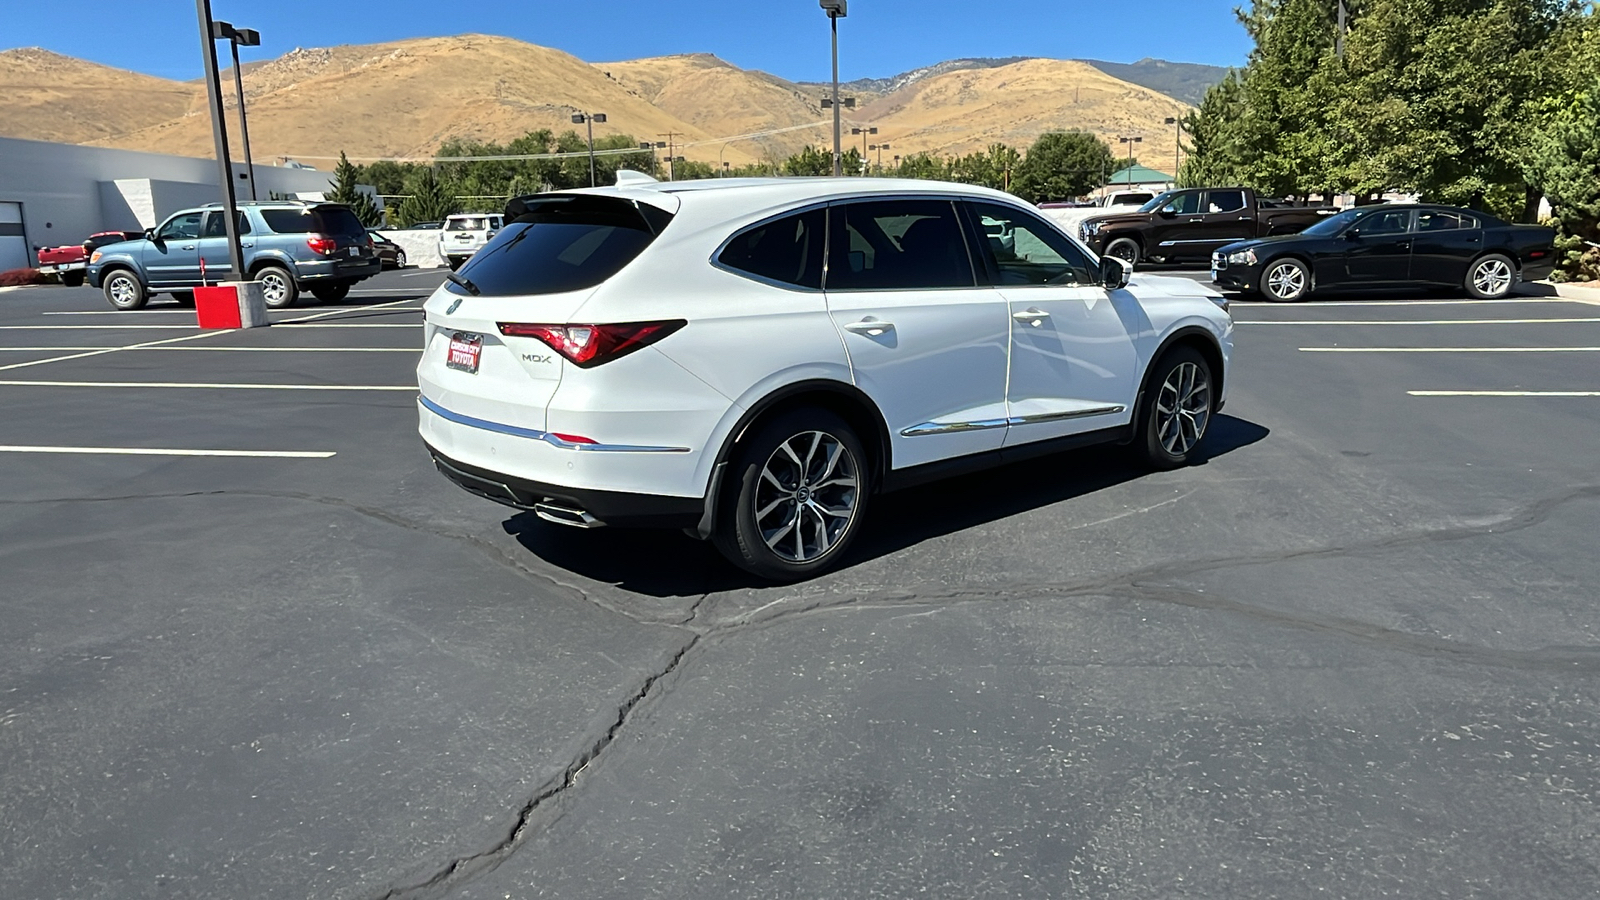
(758, 544)
(184, 298)
(400, 259)
(1158, 444)
(72, 279)
(277, 287)
(1491, 276)
(124, 290)
(1125, 249)
(1285, 280)
(330, 293)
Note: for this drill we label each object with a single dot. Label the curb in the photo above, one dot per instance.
(1564, 291)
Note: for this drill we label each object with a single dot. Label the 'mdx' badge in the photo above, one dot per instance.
(453, 306)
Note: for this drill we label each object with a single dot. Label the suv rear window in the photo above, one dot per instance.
(468, 223)
(560, 243)
(320, 219)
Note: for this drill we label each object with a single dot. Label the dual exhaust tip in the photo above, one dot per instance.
(566, 515)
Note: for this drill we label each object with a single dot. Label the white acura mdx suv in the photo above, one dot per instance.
(754, 360)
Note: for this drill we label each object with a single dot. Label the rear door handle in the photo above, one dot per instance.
(870, 326)
(1034, 315)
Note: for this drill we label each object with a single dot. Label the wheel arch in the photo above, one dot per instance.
(1201, 340)
(844, 400)
(271, 259)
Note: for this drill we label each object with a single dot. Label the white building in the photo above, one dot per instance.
(56, 194)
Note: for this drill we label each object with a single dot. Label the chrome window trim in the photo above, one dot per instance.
(928, 428)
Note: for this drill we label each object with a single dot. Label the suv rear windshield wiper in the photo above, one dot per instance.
(457, 278)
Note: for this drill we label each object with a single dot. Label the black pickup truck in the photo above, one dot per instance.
(1187, 225)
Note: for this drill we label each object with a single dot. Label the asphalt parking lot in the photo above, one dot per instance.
(254, 646)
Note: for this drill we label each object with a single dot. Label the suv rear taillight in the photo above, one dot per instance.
(587, 346)
(321, 243)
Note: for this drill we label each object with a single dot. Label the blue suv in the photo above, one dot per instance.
(289, 246)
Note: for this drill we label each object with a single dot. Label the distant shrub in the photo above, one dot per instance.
(18, 277)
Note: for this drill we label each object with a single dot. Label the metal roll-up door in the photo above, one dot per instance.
(13, 240)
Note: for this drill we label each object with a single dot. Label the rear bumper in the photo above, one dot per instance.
(326, 269)
(1538, 271)
(615, 508)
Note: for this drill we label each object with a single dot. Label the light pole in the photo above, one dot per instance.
(590, 118)
(880, 148)
(240, 37)
(219, 135)
(836, 11)
(1130, 141)
(671, 171)
(863, 132)
(1177, 147)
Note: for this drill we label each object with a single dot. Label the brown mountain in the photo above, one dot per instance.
(404, 99)
(49, 97)
(962, 111)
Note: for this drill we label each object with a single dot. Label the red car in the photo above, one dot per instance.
(68, 263)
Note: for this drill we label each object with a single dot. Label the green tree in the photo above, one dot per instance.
(429, 200)
(345, 190)
(925, 166)
(1062, 165)
(1565, 164)
(809, 161)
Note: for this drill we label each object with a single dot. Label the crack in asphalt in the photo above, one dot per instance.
(465, 868)
(1137, 582)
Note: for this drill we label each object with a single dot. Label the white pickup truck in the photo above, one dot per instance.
(1069, 217)
(465, 234)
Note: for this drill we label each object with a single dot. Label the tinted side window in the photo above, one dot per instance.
(1185, 204)
(897, 245)
(787, 250)
(1394, 221)
(1224, 201)
(1437, 220)
(1025, 250)
(216, 226)
(181, 227)
(325, 220)
(290, 221)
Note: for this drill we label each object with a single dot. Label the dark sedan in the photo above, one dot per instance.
(1390, 246)
(388, 252)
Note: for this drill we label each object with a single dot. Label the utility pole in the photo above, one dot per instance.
(672, 169)
(1343, 17)
(836, 11)
(590, 118)
(219, 135)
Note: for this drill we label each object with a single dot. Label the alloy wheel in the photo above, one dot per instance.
(806, 497)
(1183, 409)
(123, 290)
(1492, 277)
(1286, 281)
(273, 288)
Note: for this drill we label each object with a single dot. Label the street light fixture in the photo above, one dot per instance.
(236, 38)
(1130, 141)
(863, 132)
(219, 136)
(836, 10)
(880, 148)
(590, 119)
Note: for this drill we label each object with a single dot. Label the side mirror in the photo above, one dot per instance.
(1114, 273)
(1353, 234)
(149, 234)
(1168, 211)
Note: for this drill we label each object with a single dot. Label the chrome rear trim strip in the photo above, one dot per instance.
(928, 428)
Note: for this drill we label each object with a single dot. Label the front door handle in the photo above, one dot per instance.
(188, 246)
(1032, 315)
(870, 326)
(247, 246)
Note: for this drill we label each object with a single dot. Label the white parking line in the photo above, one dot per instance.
(1504, 393)
(1413, 322)
(214, 385)
(86, 355)
(1321, 303)
(1395, 349)
(227, 349)
(422, 273)
(151, 451)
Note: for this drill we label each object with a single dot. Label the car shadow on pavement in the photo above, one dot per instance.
(668, 564)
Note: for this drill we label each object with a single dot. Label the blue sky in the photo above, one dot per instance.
(785, 37)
